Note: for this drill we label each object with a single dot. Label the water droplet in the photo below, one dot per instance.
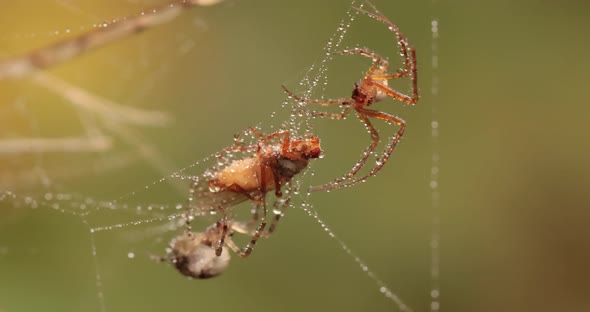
(434, 293)
(433, 184)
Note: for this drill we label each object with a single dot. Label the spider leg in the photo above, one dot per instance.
(401, 39)
(396, 94)
(341, 101)
(224, 223)
(412, 68)
(238, 145)
(284, 140)
(242, 227)
(165, 258)
(407, 50)
(348, 180)
(321, 114)
(229, 242)
(299, 99)
(378, 61)
(363, 52)
(399, 74)
(255, 235)
(279, 210)
(262, 139)
(285, 143)
(260, 229)
(388, 149)
(245, 228)
(337, 183)
(222, 227)
(255, 215)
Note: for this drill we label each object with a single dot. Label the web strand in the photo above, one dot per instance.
(97, 275)
(434, 171)
(315, 75)
(383, 288)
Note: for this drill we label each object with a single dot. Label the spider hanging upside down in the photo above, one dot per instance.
(270, 164)
(372, 88)
(192, 254)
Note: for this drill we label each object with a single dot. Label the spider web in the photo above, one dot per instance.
(64, 161)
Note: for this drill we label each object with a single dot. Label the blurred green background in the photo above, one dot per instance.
(513, 150)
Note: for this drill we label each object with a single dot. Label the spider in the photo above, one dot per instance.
(274, 160)
(193, 253)
(372, 88)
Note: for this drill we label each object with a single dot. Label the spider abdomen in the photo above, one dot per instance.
(244, 173)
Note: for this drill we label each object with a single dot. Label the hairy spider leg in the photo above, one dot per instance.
(388, 149)
(405, 47)
(261, 176)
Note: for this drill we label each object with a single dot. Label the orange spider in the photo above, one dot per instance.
(372, 88)
(276, 158)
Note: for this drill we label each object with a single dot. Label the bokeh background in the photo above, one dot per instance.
(513, 148)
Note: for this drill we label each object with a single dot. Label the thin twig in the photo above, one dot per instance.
(84, 99)
(46, 145)
(22, 65)
(105, 108)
